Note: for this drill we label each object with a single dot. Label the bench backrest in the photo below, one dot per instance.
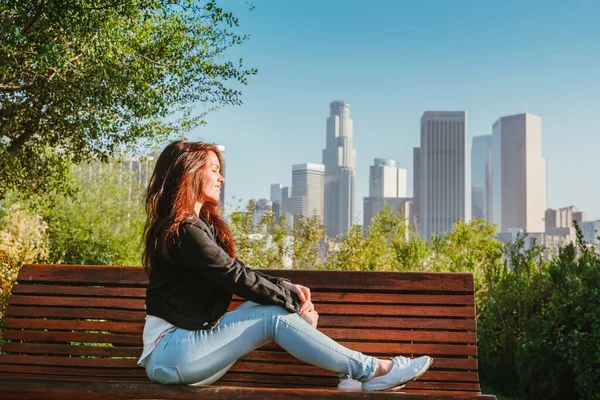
(86, 322)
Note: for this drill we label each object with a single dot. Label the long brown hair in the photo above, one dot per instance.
(172, 193)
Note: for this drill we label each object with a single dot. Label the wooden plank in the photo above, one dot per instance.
(59, 390)
(321, 280)
(284, 357)
(68, 290)
(74, 350)
(397, 322)
(386, 298)
(42, 336)
(76, 372)
(76, 325)
(309, 370)
(386, 335)
(405, 349)
(374, 281)
(61, 361)
(75, 313)
(394, 310)
(87, 302)
(83, 274)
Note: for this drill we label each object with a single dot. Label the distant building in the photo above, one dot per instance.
(308, 184)
(373, 206)
(518, 174)
(339, 158)
(591, 232)
(444, 194)
(276, 194)
(481, 178)
(386, 179)
(563, 217)
(387, 185)
(416, 190)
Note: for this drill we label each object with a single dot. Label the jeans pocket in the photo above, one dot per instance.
(165, 374)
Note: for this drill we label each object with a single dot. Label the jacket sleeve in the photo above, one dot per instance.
(199, 252)
(274, 279)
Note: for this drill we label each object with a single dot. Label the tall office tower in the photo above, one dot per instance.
(387, 185)
(308, 184)
(481, 178)
(444, 196)
(222, 196)
(386, 179)
(416, 225)
(339, 158)
(276, 192)
(286, 193)
(518, 174)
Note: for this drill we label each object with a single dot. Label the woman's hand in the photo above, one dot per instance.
(312, 317)
(303, 293)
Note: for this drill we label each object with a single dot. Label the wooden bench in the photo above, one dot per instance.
(76, 332)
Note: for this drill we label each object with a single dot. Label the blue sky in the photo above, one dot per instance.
(394, 59)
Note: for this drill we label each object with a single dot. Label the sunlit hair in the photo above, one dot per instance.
(172, 193)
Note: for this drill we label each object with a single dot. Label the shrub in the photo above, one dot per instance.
(23, 239)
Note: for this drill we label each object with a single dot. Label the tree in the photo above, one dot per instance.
(85, 79)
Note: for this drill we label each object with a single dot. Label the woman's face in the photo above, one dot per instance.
(211, 179)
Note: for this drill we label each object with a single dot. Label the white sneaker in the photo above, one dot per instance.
(403, 371)
(349, 384)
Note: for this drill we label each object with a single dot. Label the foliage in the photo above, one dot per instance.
(101, 223)
(23, 239)
(252, 244)
(539, 325)
(85, 79)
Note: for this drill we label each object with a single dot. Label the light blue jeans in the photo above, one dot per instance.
(203, 356)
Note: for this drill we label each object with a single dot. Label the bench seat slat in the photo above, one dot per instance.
(87, 302)
(65, 312)
(61, 361)
(67, 349)
(69, 290)
(365, 347)
(87, 337)
(284, 357)
(398, 322)
(337, 333)
(70, 324)
(48, 370)
(322, 280)
(23, 388)
(387, 298)
(406, 349)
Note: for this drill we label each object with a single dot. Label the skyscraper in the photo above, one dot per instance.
(481, 178)
(415, 222)
(339, 158)
(387, 185)
(518, 174)
(386, 179)
(444, 196)
(307, 190)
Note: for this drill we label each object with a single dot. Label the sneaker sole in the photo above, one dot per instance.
(414, 378)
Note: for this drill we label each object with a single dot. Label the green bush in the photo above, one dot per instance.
(23, 239)
(539, 325)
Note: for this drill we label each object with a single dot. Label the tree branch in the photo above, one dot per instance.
(12, 88)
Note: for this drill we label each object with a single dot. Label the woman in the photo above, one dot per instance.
(189, 256)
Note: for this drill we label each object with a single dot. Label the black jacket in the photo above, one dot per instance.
(194, 291)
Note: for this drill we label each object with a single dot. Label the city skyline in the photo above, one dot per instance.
(390, 70)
